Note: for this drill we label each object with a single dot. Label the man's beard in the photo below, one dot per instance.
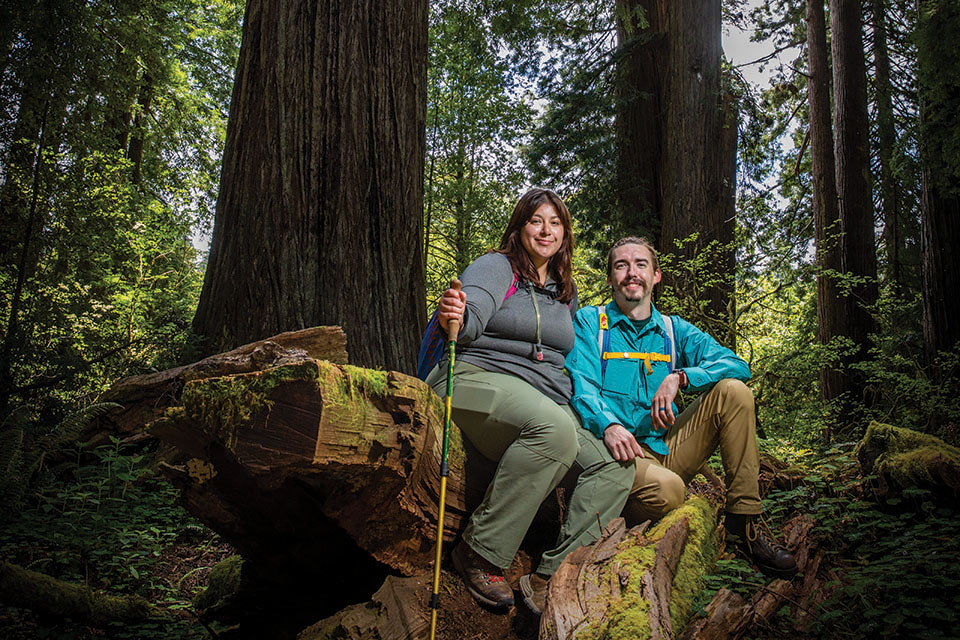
(633, 297)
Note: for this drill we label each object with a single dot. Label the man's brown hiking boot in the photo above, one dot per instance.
(759, 545)
(484, 581)
(533, 586)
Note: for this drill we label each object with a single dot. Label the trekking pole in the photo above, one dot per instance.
(453, 328)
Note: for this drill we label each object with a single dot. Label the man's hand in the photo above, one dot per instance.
(661, 406)
(621, 443)
(451, 307)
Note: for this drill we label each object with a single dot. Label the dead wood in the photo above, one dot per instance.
(144, 398)
(287, 461)
(901, 458)
(48, 596)
(395, 612)
(729, 615)
(633, 582)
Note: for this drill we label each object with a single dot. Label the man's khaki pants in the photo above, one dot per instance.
(723, 417)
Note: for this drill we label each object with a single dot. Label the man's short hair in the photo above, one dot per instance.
(643, 242)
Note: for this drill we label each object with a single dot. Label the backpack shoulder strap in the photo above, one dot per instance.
(670, 342)
(513, 287)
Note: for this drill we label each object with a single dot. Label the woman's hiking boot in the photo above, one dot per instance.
(533, 586)
(759, 545)
(484, 581)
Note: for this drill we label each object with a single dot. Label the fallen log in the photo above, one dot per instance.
(395, 612)
(902, 458)
(48, 596)
(144, 398)
(635, 583)
(292, 460)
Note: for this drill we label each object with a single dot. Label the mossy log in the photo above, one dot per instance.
(633, 583)
(902, 458)
(144, 398)
(731, 616)
(48, 596)
(310, 460)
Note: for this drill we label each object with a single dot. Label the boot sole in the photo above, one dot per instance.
(786, 574)
(477, 595)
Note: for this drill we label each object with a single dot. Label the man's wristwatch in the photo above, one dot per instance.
(684, 380)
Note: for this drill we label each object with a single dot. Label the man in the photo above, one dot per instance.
(636, 453)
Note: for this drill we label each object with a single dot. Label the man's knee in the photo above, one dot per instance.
(655, 500)
(735, 390)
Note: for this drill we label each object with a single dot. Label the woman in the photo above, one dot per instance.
(510, 394)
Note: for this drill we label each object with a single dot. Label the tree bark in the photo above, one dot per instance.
(831, 305)
(677, 140)
(322, 180)
(940, 222)
(855, 203)
(640, 108)
(886, 141)
(632, 582)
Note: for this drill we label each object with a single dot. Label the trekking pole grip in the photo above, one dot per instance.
(453, 327)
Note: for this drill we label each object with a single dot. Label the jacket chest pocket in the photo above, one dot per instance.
(622, 377)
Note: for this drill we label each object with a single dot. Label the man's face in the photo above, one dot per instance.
(633, 276)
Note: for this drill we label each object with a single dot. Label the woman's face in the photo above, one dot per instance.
(542, 235)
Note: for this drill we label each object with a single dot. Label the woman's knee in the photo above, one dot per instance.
(553, 432)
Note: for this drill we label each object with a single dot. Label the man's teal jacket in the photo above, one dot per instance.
(624, 393)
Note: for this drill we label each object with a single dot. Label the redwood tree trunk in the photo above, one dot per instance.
(852, 154)
(826, 218)
(319, 218)
(677, 137)
(940, 124)
(886, 138)
(640, 105)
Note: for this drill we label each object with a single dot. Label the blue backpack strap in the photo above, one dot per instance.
(431, 347)
(670, 342)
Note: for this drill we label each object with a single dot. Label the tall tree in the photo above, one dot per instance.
(890, 190)
(319, 213)
(940, 158)
(99, 189)
(476, 116)
(831, 306)
(677, 137)
(852, 155)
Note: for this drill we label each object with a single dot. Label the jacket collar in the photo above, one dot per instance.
(615, 316)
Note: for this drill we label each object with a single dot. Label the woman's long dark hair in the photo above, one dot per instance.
(560, 263)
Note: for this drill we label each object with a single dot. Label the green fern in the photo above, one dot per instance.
(21, 457)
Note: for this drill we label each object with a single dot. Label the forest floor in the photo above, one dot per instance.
(105, 519)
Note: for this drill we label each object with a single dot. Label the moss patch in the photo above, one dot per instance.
(223, 405)
(906, 456)
(629, 617)
(222, 584)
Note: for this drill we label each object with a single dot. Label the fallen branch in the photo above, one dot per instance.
(48, 596)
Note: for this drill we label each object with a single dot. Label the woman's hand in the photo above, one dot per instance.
(452, 304)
